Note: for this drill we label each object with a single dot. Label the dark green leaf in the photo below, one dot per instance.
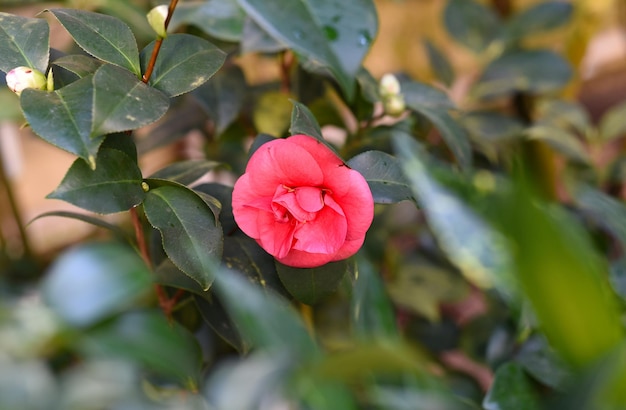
(511, 389)
(613, 123)
(122, 102)
(223, 97)
(78, 64)
(303, 122)
(538, 19)
(561, 140)
(94, 281)
(88, 219)
(383, 175)
(417, 95)
(113, 186)
(223, 194)
(294, 24)
(122, 142)
(23, 42)
(104, 37)
(147, 338)
(213, 313)
(310, 285)
(468, 241)
(255, 39)
(222, 19)
(265, 320)
(541, 361)
(472, 24)
(568, 115)
(185, 62)
(191, 236)
(371, 309)
(604, 210)
(439, 64)
(186, 172)
(64, 118)
(535, 72)
(492, 127)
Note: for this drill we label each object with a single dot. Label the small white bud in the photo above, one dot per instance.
(156, 18)
(389, 85)
(25, 77)
(394, 105)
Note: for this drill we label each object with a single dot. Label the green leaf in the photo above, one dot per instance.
(439, 64)
(223, 97)
(23, 42)
(311, 285)
(122, 102)
(371, 309)
(265, 320)
(255, 39)
(186, 172)
(604, 210)
(147, 338)
(472, 24)
(88, 219)
(192, 237)
(534, 72)
(222, 19)
(511, 389)
(113, 186)
(104, 37)
(122, 142)
(303, 122)
(383, 175)
(561, 140)
(94, 281)
(294, 24)
(418, 95)
(78, 64)
(64, 117)
(492, 127)
(468, 241)
(613, 123)
(185, 62)
(538, 19)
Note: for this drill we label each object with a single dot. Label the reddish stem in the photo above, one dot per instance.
(158, 43)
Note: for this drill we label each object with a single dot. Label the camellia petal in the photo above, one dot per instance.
(327, 235)
(311, 199)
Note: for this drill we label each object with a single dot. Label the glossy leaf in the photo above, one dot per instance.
(469, 242)
(122, 102)
(511, 389)
(64, 118)
(613, 123)
(121, 141)
(383, 175)
(80, 65)
(147, 338)
(185, 62)
(311, 285)
(371, 310)
(191, 236)
(113, 186)
(304, 122)
(186, 172)
(535, 72)
(294, 24)
(417, 95)
(104, 37)
(538, 19)
(23, 42)
(119, 232)
(218, 18)
(472, 24)
(94, 281)
(266, 321)
(439, 64)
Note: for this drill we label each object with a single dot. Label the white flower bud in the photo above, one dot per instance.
(394, 105)
(389, 85)
(156, 18)
(25, 77)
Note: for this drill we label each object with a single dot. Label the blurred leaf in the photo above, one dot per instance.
(439, 64)
(538, 19)
(565, 115)
(147, 338)
(23, 42)
(419, 95)
(604, 210)
(264, 319)
(255, 39)
(88, 219)
(37, 394)
(294, 23)
(185, 62)
(561, 140)
(223, 97)
(311, 285)
(492, 127)
(271, 113)
(455, 137)
(218, 18)
(122, 102)
(191, 236)
(64, 117)
(383, 175)
(93, 281)
(371, 310)
(534, 71)
(113, 186)
(472, 24)
(186, 172)
(80, 65)
(613, 123)
(542, 362)
(511, 389)
(104, 37)
(11, 104)
(468, 241)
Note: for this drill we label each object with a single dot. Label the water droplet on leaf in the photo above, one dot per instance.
(364, 38)
(331, 33)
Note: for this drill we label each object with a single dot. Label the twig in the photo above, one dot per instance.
(157, 45)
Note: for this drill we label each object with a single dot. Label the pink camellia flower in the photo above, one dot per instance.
(302, 204)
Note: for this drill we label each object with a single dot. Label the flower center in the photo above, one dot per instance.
(299, 205)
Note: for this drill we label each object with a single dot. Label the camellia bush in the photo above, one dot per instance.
(342, 242)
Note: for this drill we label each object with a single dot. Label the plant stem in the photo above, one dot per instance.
(157, 45)
(15, 210)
